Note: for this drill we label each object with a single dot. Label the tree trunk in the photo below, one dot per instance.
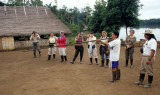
(126, 31)
(87, 18)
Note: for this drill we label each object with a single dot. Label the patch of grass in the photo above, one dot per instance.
(71, 40)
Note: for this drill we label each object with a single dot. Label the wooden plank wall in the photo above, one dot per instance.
(1, 47)
(7, 43)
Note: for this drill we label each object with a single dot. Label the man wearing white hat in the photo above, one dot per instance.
(148, 58)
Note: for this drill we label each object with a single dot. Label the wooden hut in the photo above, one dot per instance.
(18, 21)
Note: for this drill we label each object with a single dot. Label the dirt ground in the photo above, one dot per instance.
(21, 74)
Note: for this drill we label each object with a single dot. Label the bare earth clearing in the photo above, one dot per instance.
(21, 74)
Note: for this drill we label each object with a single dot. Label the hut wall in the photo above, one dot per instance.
(25, 44)
(7, 43)
(1, 47)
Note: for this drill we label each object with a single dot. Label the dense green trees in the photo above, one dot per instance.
(153, 23)
(113, 14)
(24, 2)
(1, 3)
(74, 18)
(96, 20)
(129, 10)
(36, 2)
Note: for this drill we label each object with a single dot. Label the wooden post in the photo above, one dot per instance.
(25, 11)
(45, 11)
(37, 10)
(5, 9)
(126, 31)
(15, 11)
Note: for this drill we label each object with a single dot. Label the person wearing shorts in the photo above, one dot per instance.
(114, 46)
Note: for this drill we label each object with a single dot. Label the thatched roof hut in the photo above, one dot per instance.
(22, 20)
(19, 21)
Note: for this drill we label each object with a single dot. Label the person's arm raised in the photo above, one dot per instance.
(105, 43)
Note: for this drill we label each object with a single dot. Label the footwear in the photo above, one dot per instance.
(39, 54)
(131, 66)
(96, 61)
(131, 63)
(72, 62)
(138, 83)
(54, 56)
(90, 61)
(126, 63)
(102, 63)
(141, 79)
(106, 66)
(150, 79)
(114, 76)
(65, 57)
(80, 62)
(147, 85)
(118, 75)
(34, 55)
(107, 61)
(49, 57)
(62, 59)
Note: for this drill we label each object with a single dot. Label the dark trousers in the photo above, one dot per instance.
(79, 49)
(129, 53)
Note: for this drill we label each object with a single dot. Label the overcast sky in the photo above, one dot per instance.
(151, 8)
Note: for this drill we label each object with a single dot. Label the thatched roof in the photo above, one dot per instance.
(22, 20)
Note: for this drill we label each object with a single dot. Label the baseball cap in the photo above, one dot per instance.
(61, 31)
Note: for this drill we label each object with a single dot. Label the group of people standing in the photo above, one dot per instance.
(53, 40)
(109, 50)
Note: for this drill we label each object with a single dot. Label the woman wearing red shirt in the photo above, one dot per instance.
(62, 46)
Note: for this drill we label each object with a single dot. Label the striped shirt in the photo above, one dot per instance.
(103, 39)
(79, 41)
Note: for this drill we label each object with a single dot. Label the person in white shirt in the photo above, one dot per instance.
(148, 58)
(92, 50)
(35, 42)
(114, 46)
(52, 49)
